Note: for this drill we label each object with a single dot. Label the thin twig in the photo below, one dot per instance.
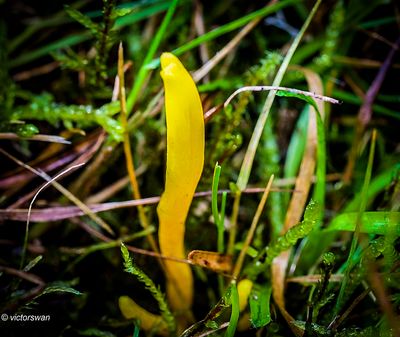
(248, 160)
(23, 275)
(378, 286)
(64, 212)
(64, 191)
(41, 70)
(84, 155)
(200, 30)
(359, 63)
(277, 88)
(339, 319)
(208, 333)
(39, 137)
(43, 163)
(206, 68)
(127, 148)
(31, 205)
(252, 229)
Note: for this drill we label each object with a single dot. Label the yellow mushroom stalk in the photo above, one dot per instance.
(185, 160)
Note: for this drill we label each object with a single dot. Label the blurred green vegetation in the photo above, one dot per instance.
(58, 77)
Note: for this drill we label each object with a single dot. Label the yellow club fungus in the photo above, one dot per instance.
(244, 288)
(147, 320)
(185, 159)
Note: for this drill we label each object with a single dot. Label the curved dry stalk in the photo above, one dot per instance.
(206, 68)
(38, 137)
(277, 88)
(52, 180)
(57, 213)
(298, 200)
(64, 191)
(127, 149)
(250, 234)
(365, 113)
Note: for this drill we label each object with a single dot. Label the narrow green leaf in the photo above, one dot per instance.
(354, 99)
(155, 42)
(75, 39)
(233, 25)
(259, 306)
(247, 164)
(319, 190)
(358, 223)
(136, 330)
(297, 144)
(251, 251)
(230, 332)
(224, 29)
(214, 199)
(95, 332)
(47, 49)
(371, 222)
(320, 184)
(308, 99)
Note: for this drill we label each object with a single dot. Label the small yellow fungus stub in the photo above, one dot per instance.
(244, 288)
(148, 321)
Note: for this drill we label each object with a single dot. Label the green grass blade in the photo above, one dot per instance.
(259, 306)
(354, 242)
(377, 185)
(319, 189)
(377, 23)
(143, 71)
(62, 43)
(70, 41)
(320, 184)
(267, 10)
(255, 138)
(136, 331)
(217, 215)
(297, 144)
(371, 222)
(230, 332)
(214, 197)
(55, 20)
(225, 29)
(353, 99)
